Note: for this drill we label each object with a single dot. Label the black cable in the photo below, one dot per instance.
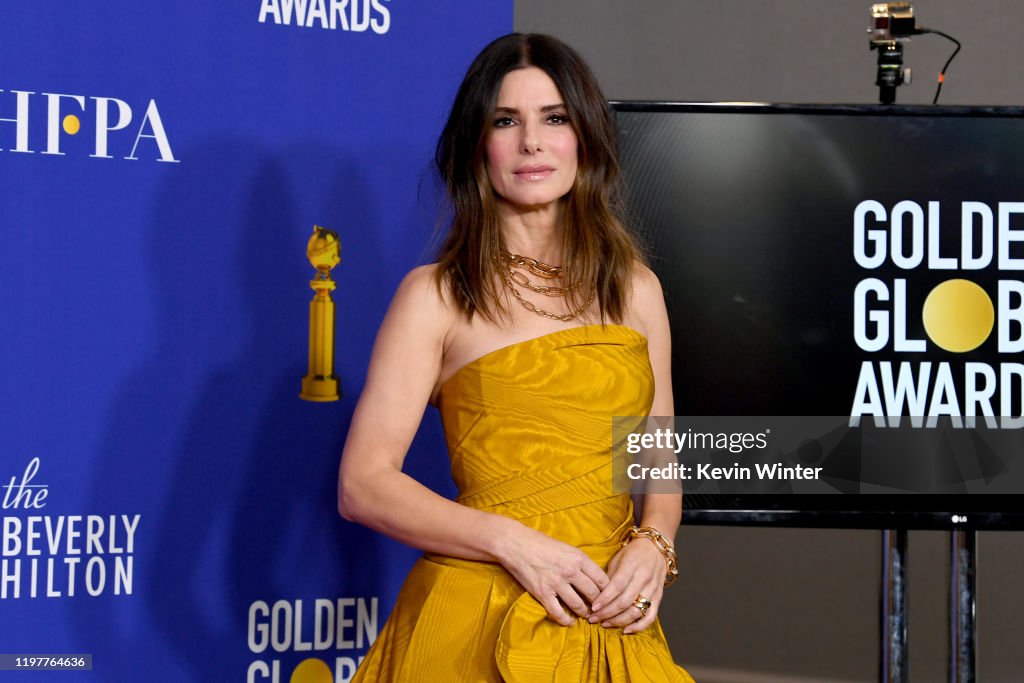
(942, 74)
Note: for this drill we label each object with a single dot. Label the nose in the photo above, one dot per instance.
(530, 141)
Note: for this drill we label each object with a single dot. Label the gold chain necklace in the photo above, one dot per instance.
(546, 290)
(533, 265)
(565, 317)
(546, 271)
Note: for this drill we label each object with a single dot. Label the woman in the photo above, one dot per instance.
(525, 577)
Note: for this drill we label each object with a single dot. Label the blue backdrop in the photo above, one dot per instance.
(168, 500)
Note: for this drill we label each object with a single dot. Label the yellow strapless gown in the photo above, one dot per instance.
(529, 434)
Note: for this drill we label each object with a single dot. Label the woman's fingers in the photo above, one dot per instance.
(636, 608)
(620, 611)
(610, 601)
(574, 602)
(634, 618)
(562, 578)
(635, 570)
(590, 581)
(555, 610)
(598, 576)
(570, 585)
(582, 587)
(645, 620)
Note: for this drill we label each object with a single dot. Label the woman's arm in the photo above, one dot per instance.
(662, 511)
(639, 568)
(373, 490)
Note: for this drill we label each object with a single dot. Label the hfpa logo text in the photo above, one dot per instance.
(110, 118)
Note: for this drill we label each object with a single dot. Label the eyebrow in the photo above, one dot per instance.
(545, 108)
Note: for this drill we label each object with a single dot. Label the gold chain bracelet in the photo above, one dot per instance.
(661, 543)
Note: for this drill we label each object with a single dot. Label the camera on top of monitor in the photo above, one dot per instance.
(891, 24)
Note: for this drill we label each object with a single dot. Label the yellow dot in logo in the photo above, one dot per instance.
(71, 124)
(958, 315)
(312, 670)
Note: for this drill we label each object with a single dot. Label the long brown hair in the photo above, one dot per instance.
(596, 247)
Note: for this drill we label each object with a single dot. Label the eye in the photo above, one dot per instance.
(503, 122)
(558, 118)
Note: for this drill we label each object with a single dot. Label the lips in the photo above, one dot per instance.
(534, 172)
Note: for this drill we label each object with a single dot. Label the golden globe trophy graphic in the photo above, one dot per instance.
(320, 383)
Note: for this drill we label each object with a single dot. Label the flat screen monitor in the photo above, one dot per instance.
(837, 261)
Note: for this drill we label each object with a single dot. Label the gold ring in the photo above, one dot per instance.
(642, 604)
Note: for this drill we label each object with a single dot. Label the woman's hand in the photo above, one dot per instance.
(636, 570)
(553, 572)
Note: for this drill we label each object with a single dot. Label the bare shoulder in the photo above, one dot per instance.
(420, 283)
(420, 298)
(647, 309)
(419, 316)
(646, 285)
(407, 354)
(646, 300)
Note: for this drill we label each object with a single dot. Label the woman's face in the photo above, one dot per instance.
(531, 146)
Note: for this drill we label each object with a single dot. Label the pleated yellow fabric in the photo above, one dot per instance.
(529, 434)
